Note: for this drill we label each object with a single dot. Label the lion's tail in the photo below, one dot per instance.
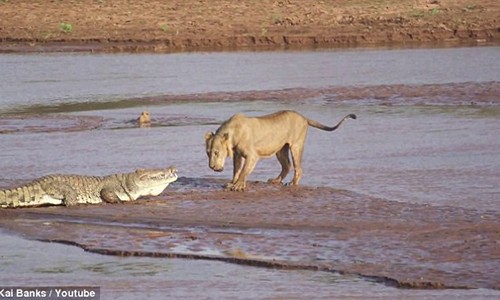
(327, 128)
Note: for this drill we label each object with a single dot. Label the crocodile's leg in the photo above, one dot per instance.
(109, 196)
(63, 191)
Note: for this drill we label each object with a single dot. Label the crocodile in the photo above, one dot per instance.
(70, 190)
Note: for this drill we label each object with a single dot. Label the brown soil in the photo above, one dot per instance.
(178, 25)
(324, 229)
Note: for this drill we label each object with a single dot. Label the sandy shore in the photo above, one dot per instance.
(402, 245)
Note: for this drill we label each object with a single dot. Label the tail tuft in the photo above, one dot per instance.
(352, 116)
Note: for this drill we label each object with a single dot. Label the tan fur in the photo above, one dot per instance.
(144, 119)
(247, 139)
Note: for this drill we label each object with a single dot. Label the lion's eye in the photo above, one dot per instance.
(216, 153)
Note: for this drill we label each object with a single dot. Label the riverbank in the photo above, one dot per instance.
(308, 228)
(173, 26)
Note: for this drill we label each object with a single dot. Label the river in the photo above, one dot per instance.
(426, 133)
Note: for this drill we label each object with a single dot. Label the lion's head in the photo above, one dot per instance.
(144, 119)
(218, 148)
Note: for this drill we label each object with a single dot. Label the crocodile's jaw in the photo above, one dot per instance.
(153, 190)
(151, 183)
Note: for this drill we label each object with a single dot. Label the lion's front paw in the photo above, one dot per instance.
(228, 186)
(238, 187)
(274, 181)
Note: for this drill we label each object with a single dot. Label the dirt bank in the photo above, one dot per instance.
(178, 25)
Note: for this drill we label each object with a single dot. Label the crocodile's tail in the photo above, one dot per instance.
(21, 196)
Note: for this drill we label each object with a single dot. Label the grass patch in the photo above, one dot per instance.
(165, 27)
(434, 11)
(66, 27)
(277, 19)
(422, 13)
(417, 14)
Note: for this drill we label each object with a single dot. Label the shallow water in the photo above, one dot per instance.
(422, 154)
(141, 277)
(439, 155)
(61, 78)
(129, 278)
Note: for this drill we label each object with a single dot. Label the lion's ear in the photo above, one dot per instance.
(208, 135)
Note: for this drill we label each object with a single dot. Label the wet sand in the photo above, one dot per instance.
(129, 278)
(305, 228)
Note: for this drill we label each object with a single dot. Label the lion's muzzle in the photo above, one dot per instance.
(217, 166)
(217, 169)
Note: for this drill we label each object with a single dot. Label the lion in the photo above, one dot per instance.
(144, 120)
(247, 139)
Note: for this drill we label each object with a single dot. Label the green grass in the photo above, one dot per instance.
(417, 13)
(421, 13)
(434, 11)
(66, 27)
(277, 19)
(165, 27)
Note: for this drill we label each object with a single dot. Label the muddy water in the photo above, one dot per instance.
(427, 133)
(134, 278)
(62, 78)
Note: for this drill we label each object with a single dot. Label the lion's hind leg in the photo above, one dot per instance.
(284, 160)
(297, 150)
